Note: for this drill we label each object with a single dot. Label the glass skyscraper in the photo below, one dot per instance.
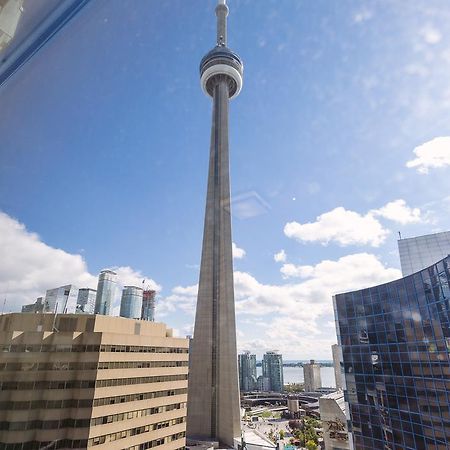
(148, 305)
(395, 342)
(106, 291)
(419, 252)
(247, 372)
(62, 300)
(131, 303)
(86, 300)
(272, 368)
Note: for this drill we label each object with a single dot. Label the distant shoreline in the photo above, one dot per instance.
(300, 363)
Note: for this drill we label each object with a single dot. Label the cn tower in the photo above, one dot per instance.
(213, 395)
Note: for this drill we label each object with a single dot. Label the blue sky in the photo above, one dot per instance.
(339, 139)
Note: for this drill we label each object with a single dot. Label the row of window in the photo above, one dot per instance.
(140, 364)
(48, 445)
(46, 404)
(85, 423)
(403, 369)
(86, 402)
(141, 349)
(134, 414)
(137, 397)
(44, 424)
(81, 444)
(133, 432)
(89, 348)
(41, 385)
(58, 365)
(146, 445)
(140, 380)
(86, 384)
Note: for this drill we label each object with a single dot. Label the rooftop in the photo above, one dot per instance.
(338, 397)
(30, 322)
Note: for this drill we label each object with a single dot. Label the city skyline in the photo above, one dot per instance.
(302, 231)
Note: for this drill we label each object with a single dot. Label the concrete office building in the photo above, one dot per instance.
(148, 305)
(337, 364)
(131, 302)
(82, 381)
(214, 409)
(395, 348)
(272, 368)
(247, 372)
(311, 375)
(334, 421)
(106, 292)
(62, 299)
(86, 300)
(420, 252)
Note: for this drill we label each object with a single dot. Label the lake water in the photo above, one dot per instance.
(295, 375)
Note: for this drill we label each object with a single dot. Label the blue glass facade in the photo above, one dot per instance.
(272, 368)
(131, 302)
(395, 346)
(106, 291)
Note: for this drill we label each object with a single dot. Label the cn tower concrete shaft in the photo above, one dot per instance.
(213, 394)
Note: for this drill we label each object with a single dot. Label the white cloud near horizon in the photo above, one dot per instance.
(238, 253)
(291, 312)
(346, 227)
(29, 267)
(431, 155)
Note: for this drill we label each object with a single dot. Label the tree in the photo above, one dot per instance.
(294, 424)
(311, 445)
(281, 434)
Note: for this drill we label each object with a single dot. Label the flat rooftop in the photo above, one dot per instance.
(46, 322)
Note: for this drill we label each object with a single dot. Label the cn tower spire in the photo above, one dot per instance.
(213, 394)
(222, 13)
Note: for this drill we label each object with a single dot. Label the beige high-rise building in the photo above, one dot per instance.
(336, 350)
(311, 373)
(80, 381)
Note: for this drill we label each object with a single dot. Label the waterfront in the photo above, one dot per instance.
(295, 375)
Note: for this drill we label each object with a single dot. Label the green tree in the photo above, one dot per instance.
(311, 445)
(281, 434)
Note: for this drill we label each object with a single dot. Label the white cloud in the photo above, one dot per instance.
(294, 314)
(430, 34)
(126, 276)
(280, 256)
(29, 267)
(182, 298)
(291, 270)
(431, 154)
(238, 253)
(341, 226)
(399, 211)
(347, 227)
(309, 298)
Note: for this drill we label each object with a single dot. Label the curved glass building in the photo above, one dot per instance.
(131, 303)
(395, 348)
